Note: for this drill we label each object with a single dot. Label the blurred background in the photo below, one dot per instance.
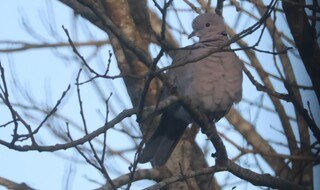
(39, 64)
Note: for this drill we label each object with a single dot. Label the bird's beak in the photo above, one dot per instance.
(193, 33)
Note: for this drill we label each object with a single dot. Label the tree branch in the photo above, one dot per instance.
(305, 38)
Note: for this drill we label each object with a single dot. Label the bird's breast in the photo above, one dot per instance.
(208, 83)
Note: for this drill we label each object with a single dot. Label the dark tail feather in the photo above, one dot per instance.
(153, 143)
(160, 146)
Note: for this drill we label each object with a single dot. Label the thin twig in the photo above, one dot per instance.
(263, 88)
(53, 110)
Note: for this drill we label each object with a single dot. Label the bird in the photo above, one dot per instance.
(212, 83)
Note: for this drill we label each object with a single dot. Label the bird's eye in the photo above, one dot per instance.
(207, 24)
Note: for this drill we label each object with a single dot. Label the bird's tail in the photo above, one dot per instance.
(163, 141)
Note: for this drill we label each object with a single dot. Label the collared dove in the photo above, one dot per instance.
(212, 84)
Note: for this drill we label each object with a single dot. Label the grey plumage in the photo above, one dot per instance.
(212, 84)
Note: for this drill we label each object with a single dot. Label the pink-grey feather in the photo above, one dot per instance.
(213, 84)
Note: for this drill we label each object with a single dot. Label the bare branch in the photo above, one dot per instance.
(30, 46)
(13, 185)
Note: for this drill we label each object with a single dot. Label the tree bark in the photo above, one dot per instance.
(305, 39)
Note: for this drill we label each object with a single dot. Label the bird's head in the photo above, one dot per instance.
(208, 26)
